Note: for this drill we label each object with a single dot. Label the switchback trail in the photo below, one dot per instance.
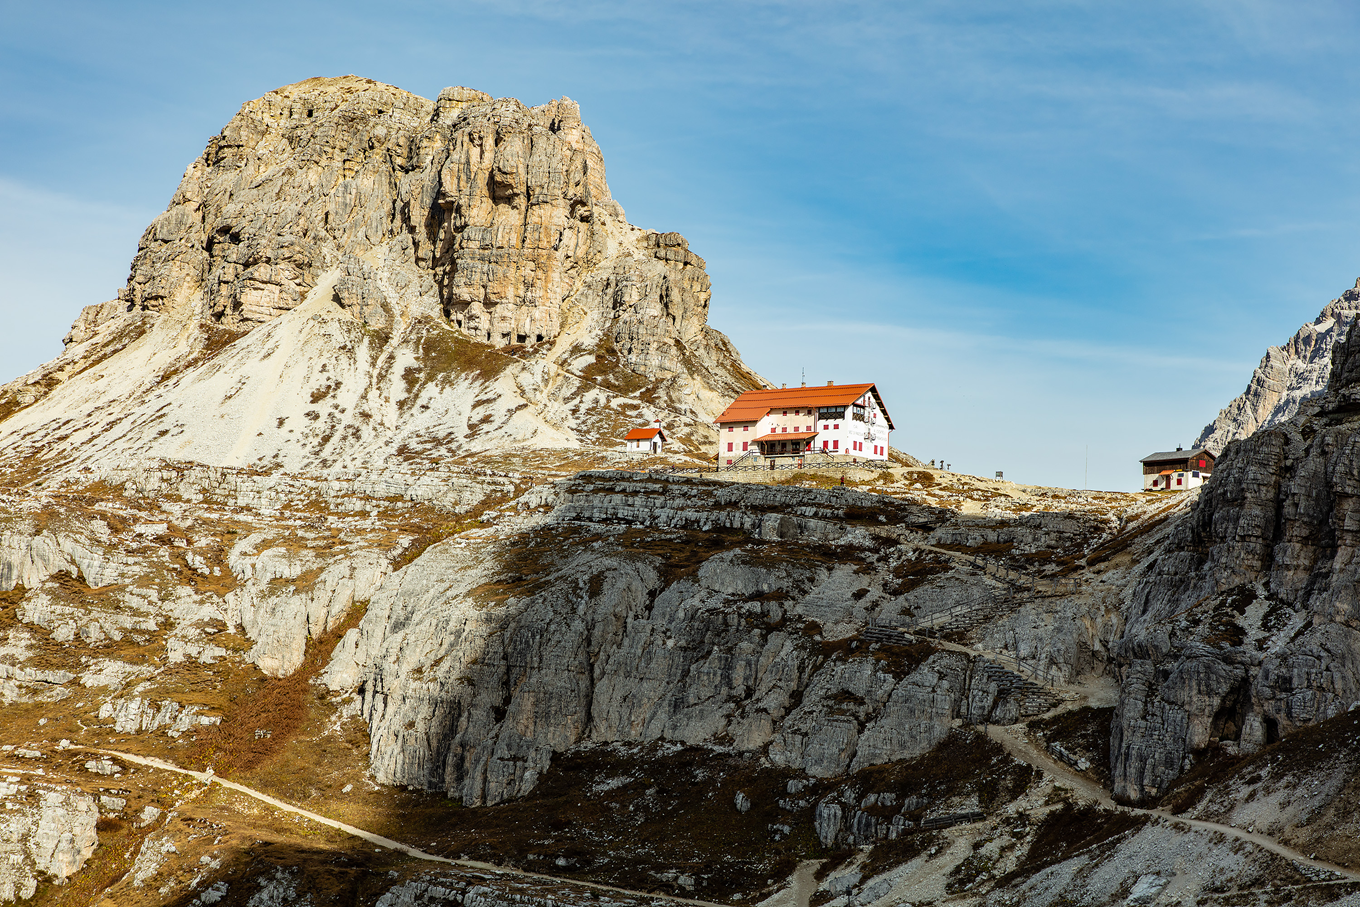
(1029, 753)
(373, 838)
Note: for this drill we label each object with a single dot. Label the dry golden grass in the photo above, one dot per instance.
(278, 705)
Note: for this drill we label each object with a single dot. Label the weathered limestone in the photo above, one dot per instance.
(1244, 628)
(139, 716)
(350, 275)
(45, 831)
(1288, 376)
(596, 642)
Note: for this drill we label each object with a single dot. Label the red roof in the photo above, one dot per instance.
(642, 434)
(789, 436)
(752, 405)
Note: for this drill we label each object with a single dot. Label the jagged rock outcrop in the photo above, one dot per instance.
(1244, 628)
(652, 609)
(351, 275)
(1287, 376)
(46, 831)
(138, 716)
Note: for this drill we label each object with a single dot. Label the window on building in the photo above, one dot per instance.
(746, 428)
(1195, 474)
(824, 444)
(1201, 464)
(729, 428)
(745, 445)
(836, 426)
(729, 462)
(729, 446)
(1178, 481)
(835, 445)
(786, 412)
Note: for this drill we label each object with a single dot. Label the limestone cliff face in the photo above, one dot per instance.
(449, 275)
(644, 611)
(1244, 628)
(1287, 376)
(494, 214)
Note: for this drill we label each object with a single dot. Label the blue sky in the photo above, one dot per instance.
(1041, 227)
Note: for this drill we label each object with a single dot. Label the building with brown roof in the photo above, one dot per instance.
(839, 420)
(1177, 470)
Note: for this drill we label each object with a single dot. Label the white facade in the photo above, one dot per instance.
(654, 444)
(857, 432)
(1179, 480)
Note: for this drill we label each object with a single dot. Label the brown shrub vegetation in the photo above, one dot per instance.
(276, 705)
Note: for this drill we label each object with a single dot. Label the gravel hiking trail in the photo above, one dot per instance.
(372, 838)
(1027, 752)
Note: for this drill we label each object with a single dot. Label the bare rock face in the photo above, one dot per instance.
(1244, 628)
(1287, 376)
(48, 831)
(349, 270)
(646, 611)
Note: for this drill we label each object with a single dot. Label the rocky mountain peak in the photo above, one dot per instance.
(414, 261)
(1346, 357)
(1288, 375)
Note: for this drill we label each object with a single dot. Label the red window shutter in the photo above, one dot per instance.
(1201, 464)
(836, 426)
(729, 446)
(835, 445)
(745, 445)
(729, 462)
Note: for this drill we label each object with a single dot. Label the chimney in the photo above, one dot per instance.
(784, 385)
(805, 383)
(830, 384)
(656, 422)
(1178, 447)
